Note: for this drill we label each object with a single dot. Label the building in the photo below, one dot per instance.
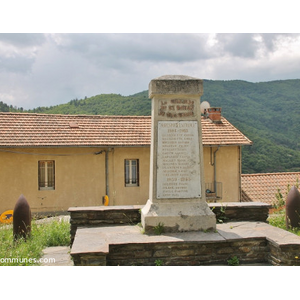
(58, 161)
(264, 187)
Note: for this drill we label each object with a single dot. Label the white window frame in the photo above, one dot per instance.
(129, 166)
(45, 175)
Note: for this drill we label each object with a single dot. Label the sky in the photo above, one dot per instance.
(45, 69)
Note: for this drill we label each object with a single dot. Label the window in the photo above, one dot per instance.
(131, 172)
(46, 175)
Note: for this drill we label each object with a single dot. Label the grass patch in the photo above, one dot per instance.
(27, 253)
(278, 220)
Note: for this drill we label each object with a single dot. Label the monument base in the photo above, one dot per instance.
(177, 217)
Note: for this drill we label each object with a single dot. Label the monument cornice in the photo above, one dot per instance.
(175, 84)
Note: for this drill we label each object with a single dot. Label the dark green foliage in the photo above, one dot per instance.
(9, 108)
(105, 104)
(266, 112)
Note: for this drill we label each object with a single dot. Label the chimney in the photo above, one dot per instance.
(214, 114)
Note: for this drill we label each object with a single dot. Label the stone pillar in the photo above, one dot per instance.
(177, 188)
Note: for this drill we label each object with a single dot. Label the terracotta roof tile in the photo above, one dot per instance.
(46, 130)
(263, 187)
(222, 134)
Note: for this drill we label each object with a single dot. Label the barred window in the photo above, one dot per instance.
(131, 172)
(46, 175)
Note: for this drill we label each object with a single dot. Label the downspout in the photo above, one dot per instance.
(106, 172)
(106, 197)
(215, 169)
(240, 173)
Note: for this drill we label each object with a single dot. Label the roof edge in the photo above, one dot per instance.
(269, 174)
(73, 115)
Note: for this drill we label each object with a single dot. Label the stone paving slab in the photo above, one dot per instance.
(258, 229)
(60, 255)
(98, 239)
(104, 208)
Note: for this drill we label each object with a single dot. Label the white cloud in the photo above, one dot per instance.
(48, 69)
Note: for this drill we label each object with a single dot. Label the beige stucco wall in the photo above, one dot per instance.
(119, 194)
(80, 176)
(227, 170)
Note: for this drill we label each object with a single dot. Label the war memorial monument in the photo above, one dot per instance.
(177, 187)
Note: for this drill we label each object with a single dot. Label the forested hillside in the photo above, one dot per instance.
(104, 104)
(269, 114)
(266, 112)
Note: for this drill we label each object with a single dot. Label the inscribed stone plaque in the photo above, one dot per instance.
(181, 108)
(178, 160)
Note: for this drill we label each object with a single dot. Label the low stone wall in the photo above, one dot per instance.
(89, 259)
(241, 211)
(248, 251)
(179, 254)
(284, 255)
(188, 254)
(120, 215)
(94, 216)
